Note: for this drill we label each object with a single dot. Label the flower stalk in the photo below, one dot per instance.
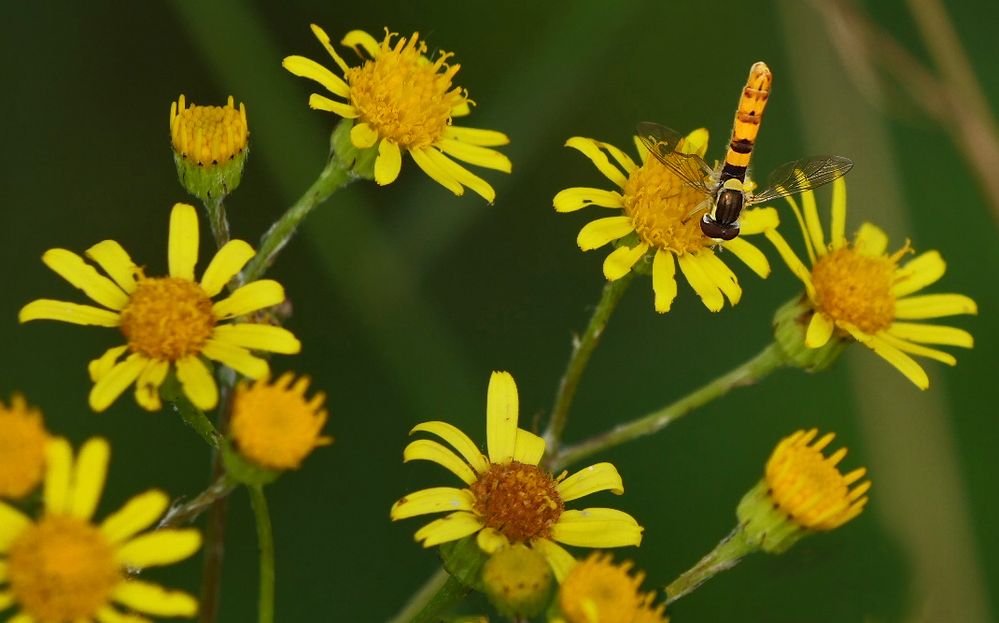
(217, 220)
(265, 541)
(183, 514)
(724, 556)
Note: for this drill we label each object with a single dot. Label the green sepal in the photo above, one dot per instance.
(764, 524)
(464, 560)
(211, 182)
(790, 327)
(360, 162)
(243, 471)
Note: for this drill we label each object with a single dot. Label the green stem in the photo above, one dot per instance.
(582, 349)
(724, 556)
(189, 511)
(765, 362)
(333, 177)
(193, 416)
(434, 602)
(265, 539)
(422, 596)
(218, 221)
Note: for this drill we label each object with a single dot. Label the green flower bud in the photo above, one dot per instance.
(518, 581)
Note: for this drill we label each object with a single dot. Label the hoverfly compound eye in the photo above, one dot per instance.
(717, 231)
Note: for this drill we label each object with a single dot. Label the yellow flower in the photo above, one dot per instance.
(656, 205)
(857, 289)
(62, 568)
(508, 498)
(168, 322)
(402, 101)
(208, 135)
(598, 591)
(22, 448)
(274, 425)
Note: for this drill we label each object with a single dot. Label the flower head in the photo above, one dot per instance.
(401, 100)
(598, 591)
(656, 205)
(63, 568)
(508, 498)
(169, 323)
(22, 448)
(210, 145)
(274, 424)
(858, 290)
(518, 581)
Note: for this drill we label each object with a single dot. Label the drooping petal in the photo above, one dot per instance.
(720, 274)
(258, 337)
(197, 382)
(590, 148)
(871, 240)
(918, 273)
(431, 168)
(664, 280)
(491, 540)
(359, 38)
(388, 163)
(450, 528)
(502, 413)
(153, 599)
(136, 515)
(464, 177)
(902, 362)
(476, 136)
(529, 448)
(107, 388)
(934, 306)
(427, 450)
(475, 154)
(363, 135)
(325, 40)
(756, 221)
(433, 500)
(599, 477)
(558, 558)
(838, 229)
(12, 522)
(103, 364)
(79, 274)
(915, 349)
(596, 234)
(620, 260)
(820, 329)
(319, 102)
(162, 547)
(458, 440)
(74, 313)
(750, 255)
(308, 68)
(931, 334)
(237, 358)
(572, 199)
(229, 260)
(182, 249)
(249, 298)
(797, 267)
(710, 295)
(57, 491)
(89, 475)
(597, 527)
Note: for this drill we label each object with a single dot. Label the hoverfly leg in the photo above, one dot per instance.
(704, 205)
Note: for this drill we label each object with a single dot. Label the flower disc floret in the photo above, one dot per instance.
(208, 135)
(659, 204)
(22, 448)
(598, 590)
(520, 501)
(856, 289)
(167, 318)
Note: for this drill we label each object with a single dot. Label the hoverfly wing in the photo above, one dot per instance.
(800, 175)
(662, 143)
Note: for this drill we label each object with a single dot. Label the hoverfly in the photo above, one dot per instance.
(724, 185)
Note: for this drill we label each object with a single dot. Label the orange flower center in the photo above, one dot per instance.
(208, 135)
(168, 318)
(659, 203)
(856, 288)
(62, 569)
(22, 448)
(598, 590)
(402, 95)
(517, 499)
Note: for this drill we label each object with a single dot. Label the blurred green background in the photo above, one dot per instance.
(406, 297)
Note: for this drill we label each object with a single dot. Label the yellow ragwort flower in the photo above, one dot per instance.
(403, 101)
(274, 425)
(208, 135)
(509, 498)
(598, 591)
(858, 290)
(657, 206)
(62, 568)
(168, 322)
(22, 448)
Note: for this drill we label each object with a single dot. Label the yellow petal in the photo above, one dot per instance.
(622, 159)
(797, 268)
(48, 309)
(476, 136)
(427, 450)
(58, 476)
(116, 262)
(388, 163)
(89, 475)
(871, 240)
(183, 246)
(249, 298)
(107, 614)
(599, 477)
(12, 522)
(589, 148)
(804, 230)
(620, 260)
(838, 229)
(820, 329)
(103, 364)
(720, 274)
(812, 222)
(450, 528)
(461, 109)
(597, 527)
(922, 271)
(572, 199)
(705, 287)
(153, 599)
(78, 273)
(6, 597)
(363, 136)
(308, 68)
(916, 349)
(461, 174)
(696, 142)
(136, 515)
(529, 448)
(162, 547)
(643, 151)
(664, 280)
(596, 234)
(491, 540)
(502, 412)
(107, 388)
(356, 38)
(325, 40)
(433, 500)
(197, 382)
(750, 255)
(458, 440)
(258, 337)
(431, 168)
(236, 358)
(757, 221)
(474, 154)
(319, 102)
(558, 558)
(229, 260)
(934, 306)
(902, 362)
(932, 334)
